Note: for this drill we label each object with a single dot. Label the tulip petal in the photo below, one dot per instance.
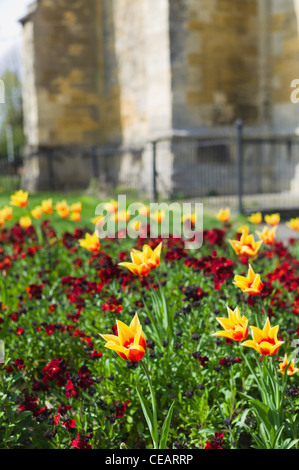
(125, 334)
(134, 323)
(111, 338)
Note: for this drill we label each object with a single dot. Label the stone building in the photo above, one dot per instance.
(107, 74)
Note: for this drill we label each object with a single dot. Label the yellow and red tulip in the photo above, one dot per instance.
(153, 256)
(75, 216)
(246, 246)
(294, 224)
(264, 341)
(47, 206)
(37, 212)
(139, 265)
(76, 207)
(19, 198)
(256, 218)
(63, 209)
(25, 222)
(283, 365)
(272, 219)
(90, 242)
(130, 342)
(267, 235)
(6, 213)
(234, 327)
(251, 284)
(223, 215)
(143, 261)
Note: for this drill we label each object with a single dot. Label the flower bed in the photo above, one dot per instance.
(142, 343)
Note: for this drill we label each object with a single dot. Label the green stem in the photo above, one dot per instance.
(167, 320)
(155, 436)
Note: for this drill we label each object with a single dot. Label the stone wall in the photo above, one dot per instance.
(285, 53)
(214, 57)
(61, 87)
(102, 73)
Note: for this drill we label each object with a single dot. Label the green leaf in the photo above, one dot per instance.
(207, 431)
(148, 416)
(290, 444)
(261, 410)
(277, 437)
(165, 428)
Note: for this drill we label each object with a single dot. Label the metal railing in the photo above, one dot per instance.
(245, 170)
(10, 174)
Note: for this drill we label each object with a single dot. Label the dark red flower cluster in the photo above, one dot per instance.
(120, 409)
(214, 236)
(31, 404)
(220, 269)
(202, 359)
(193, 293)
(108, 270)
(54, 371)
(81, 443)
(35, 291)
(175, 253)
(69, 424)
(71, 239)
(216, 441)
(19, 363)
(229, 360)
(112, 305)
(81, 380)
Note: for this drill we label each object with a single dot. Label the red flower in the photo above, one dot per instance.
(217, 441)
(69, 424)
(55, 371)
(34, 291)
(30, 404)
(115, 329)
(95, 354)
(71, 390)
(19, 363)
(62, 410)
(56, 419)
(50, 329)
(80, 443)
(121, 408)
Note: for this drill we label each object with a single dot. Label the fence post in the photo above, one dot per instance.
(155, 193)
(95, 163)
(239, 142)
(51, 179)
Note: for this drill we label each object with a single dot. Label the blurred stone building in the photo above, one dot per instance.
(104, 74)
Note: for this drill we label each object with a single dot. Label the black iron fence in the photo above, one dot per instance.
(239, 168)
(234, 167)
(10, 174)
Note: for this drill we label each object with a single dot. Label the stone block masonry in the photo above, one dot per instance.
(103, 73)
